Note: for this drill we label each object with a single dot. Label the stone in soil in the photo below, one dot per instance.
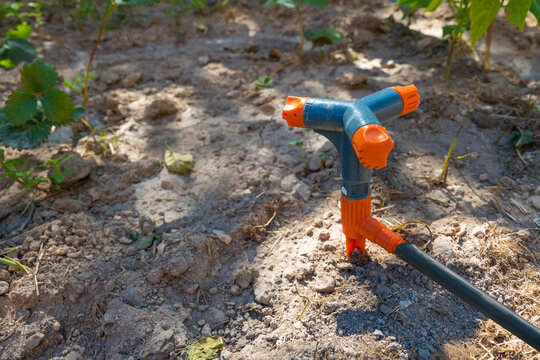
(215, 317)
(288, 182)
(69, 205)
(62, 135)
(301, 191)
(245, 277)
(131, 80)
(178, 267)
(155, 275)
(324, 235)
(4, 287)
(535, 201)
(159, 108)
(263, 292)
(81, 168)
(33, 341)
(224, 238)
(325, 284)
(442, 247)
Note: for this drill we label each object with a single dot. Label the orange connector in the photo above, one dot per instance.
(409, 96)
(359, 225)
(372, 144)
(293, 111)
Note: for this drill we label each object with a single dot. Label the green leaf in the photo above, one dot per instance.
(264, 82)
(14, 52)
(324, 36)
(78, 114)
(20, 107)
(22, 33)
(519, 137)
(516, 11)
(434, 4)
(205, 348)
(535, 9)
(316, 3)
(18, 137)
(286, 3)
(58, 177)
(57, 106)
(39, 77)
(296, 143)
(146, 243)
(482, 14)
(415, 4)
(448, 30)
(178, 163)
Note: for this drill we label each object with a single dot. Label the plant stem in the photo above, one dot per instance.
(112, 6)
(444, 172)
(299, 13)
(449, 59)
(488, 47)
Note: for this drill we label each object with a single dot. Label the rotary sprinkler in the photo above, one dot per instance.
(354, 127)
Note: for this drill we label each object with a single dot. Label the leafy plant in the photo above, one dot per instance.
(14, 170)
(31, 111)
(264, 82)
(327, 36)
(199, 5)
(58, 175)
(77, 84)
(480, 14)
(15, 49)
(296, 4)
(520, 137)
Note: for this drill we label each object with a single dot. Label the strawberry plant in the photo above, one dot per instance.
(477, 16)
(32, 111)
(14, 48)
(328, 35)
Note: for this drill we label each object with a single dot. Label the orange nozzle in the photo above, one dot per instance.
(409, 96)
(372, 144)
(293, 111)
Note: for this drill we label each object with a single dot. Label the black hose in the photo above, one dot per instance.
(470, 294)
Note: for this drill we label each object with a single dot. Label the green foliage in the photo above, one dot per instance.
(482, 14)
(77, 84)
(32, 111)
(58, 176)
(147, 242)
(264, 82)
(448, 30)
(328, 36)
(520, 137)
(516, 11)
(15, 49)
(14, 169)
(535, 9)
(205, 348)
(199, 5)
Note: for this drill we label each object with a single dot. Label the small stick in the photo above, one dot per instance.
(30, 216)
(37, 268)
(306, 301)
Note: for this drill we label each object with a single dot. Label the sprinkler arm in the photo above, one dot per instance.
(354, 127)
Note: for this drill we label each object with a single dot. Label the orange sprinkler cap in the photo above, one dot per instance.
(293, 111)
(409, 96)
(372, 145)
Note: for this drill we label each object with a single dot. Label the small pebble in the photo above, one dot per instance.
(4, 287)
(213, 291)
(324, 235)
(110, 286)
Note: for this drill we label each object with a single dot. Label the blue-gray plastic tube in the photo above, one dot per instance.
(472, 295)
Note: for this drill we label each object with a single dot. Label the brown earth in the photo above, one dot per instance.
(252, 230)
